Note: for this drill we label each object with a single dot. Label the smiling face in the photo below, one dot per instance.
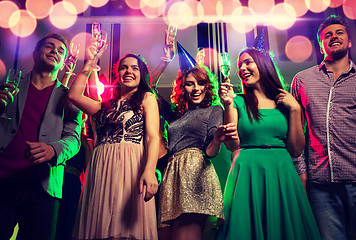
(51, 53)
(129, 73)
(334, 42)
(248, 70)
(194, 91)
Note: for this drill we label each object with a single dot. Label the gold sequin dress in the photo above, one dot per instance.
(190, 183)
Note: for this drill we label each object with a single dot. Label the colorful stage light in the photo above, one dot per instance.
(97, 3)
(317, 6)
(80, 5)
(349, 8)
(7, 9)
(22, 23)
(336, 3)
(298, 48)
(283, 16)
(243, 19)
(152, 12)
(63, 15)
(261, 6)
(39, 8)
(134, 4)
(180, 14)
(299, 6)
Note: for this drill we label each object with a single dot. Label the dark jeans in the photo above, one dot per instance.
(334, 207)
(25, 202)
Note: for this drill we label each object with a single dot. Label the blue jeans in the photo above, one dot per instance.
(25, 202)
(334, 207)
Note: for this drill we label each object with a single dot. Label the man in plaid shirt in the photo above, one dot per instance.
(327, 94)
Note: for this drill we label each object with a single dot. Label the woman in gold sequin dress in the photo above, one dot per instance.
(190, 194)
(116, 201)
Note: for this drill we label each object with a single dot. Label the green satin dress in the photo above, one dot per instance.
(264, 197)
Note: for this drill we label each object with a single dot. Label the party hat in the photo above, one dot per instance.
(186, 61)
(261, 40)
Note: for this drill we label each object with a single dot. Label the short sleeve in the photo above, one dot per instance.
(215, 120)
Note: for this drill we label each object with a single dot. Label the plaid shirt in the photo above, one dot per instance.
(330, 112)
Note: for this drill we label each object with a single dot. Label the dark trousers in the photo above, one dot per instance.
(25, 202)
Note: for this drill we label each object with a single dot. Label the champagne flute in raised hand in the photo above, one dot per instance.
(13, 77)
(225, 66)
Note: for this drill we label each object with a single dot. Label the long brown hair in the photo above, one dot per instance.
(135, 101)
(270, 80)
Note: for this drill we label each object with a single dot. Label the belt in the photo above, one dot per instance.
(262, 146)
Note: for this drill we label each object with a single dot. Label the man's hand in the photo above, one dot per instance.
(7, 93)
(39, 152)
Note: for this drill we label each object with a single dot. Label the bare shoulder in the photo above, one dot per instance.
(148, 98)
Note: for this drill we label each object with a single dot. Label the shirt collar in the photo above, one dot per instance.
(352, 67)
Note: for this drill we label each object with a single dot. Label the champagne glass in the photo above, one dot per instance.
(101, 38)
(74, 50)
(200, 57)
(13, 77)
(171, 34)
(95, 30)
(225, 65)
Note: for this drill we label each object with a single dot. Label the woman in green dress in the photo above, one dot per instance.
(264, 197)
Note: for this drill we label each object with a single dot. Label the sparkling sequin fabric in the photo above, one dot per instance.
(190, 183)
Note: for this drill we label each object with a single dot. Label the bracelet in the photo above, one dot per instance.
(165, 59)
(70, 73)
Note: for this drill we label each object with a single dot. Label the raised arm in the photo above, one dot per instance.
(69, 69)
(151, 115)
(77, 89)
(168, 55)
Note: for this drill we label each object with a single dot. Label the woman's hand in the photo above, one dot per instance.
(226, 132)
(149, 179)
(287, 100)
(226, 92)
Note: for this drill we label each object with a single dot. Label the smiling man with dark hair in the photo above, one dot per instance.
(327, 94)
(40, 133)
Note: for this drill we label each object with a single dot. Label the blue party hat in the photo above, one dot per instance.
(186, 61)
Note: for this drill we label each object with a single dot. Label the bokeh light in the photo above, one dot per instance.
(2, 70)
(261, 6)
(153, 3)
(180, 14)
(210, 7)
(134, 4)
(82, 39)
(299, 6)
(317, 6)
(228, 6)
(298, 48)
(39, 8)
(243, 19)
(283, 16)
(25, 23)
(349, 8)
(62, 15)
(80, 5)
(97, 3)
(152, 12)
(336, 3)
(7, 9)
